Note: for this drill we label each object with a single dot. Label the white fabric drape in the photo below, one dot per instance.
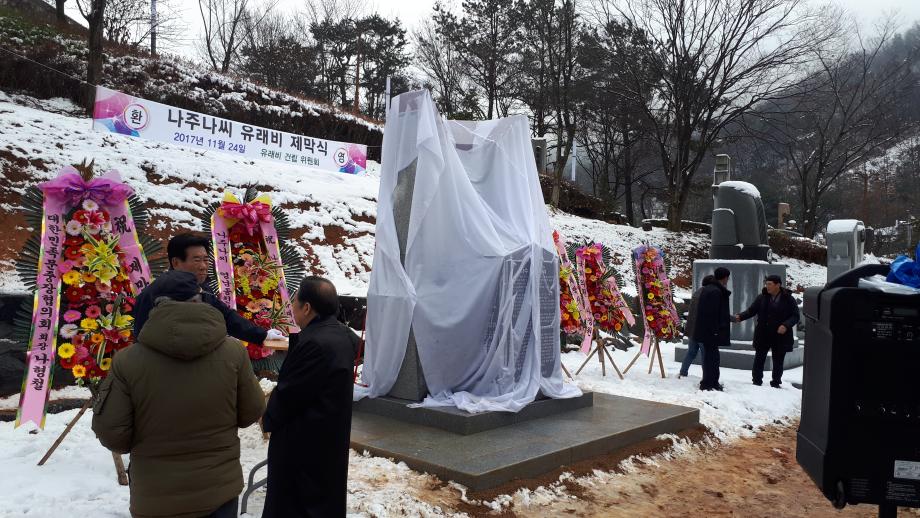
(478, 256)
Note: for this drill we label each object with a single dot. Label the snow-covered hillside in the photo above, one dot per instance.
(333, 214)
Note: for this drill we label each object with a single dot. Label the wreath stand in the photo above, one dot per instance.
(654, 353)
(600, 350)
(119, 463)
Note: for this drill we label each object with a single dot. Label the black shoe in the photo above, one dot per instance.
(775, 384)
(720, 387)
(758, 383)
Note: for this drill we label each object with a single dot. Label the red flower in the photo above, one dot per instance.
(73, 294)
(72, 253)
(89, 291)
(68, 363)
(80, 215)
(73, 241)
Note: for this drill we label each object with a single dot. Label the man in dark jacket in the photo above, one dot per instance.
(309, 411)
(693, 347)
(189, 253)
(712, 328)
(777, 313)
(174, 401)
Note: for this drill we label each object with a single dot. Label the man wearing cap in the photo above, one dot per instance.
(189, 253)
(712, 328)
(777, 313)
(174, 400)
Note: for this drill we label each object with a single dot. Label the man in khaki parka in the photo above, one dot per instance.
(174, 401)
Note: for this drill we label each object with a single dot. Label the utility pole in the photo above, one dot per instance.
(357, 76)
(153, 27)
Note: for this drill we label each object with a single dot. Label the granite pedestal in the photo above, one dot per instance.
(741, 356)
(521, 448)
(745, 283)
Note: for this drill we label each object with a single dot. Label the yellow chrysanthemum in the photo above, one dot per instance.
(105, 364)
(89, 324)
(89, 277)
(78, 371)
(651, 296)
(66, 350)
(72, 277)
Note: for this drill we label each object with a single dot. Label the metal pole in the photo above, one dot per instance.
(387, 108)
(574, 157)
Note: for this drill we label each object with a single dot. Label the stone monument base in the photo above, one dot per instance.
(457, 421)
(522, 449)
(741, 356)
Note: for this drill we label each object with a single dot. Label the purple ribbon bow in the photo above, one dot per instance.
(70, 188)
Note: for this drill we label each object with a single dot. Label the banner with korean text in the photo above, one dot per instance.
(116, 112)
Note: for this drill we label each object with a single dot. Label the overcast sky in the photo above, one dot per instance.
(411, 12)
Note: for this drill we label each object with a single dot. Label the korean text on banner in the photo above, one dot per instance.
(116, 112)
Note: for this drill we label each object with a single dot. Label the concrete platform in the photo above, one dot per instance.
(464, 423)
(521, 449)
(743, 359)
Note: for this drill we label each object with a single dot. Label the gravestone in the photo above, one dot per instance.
(846, 246)
(739, 243)
(410, 384)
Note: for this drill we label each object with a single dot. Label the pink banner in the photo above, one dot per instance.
(135, 260)
(43, 337)
(223, 264)
(274, 252)
(587, 311)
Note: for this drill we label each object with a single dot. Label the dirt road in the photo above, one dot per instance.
(755, 477)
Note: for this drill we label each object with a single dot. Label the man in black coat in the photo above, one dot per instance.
(712, 328)
(777, 313)
(309, 411)
(189, 253)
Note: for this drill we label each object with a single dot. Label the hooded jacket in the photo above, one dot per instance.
(174, 400)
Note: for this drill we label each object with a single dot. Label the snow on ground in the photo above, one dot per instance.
(80, 476)
(179, 181)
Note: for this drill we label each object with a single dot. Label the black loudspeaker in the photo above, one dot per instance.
(859, 435)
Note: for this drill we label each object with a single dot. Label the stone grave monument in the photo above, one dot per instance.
(846, 246)
(739, 243)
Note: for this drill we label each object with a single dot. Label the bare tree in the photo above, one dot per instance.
(488, 40)
(225, 27)
(846, 110)
(438, 59)
(716, 60)
(128, 22)
(94, 13)
(59, 11)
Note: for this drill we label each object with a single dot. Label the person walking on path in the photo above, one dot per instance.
(174, 400)
(693, 347)
(777, 314)
(712, 327)
(309, 411)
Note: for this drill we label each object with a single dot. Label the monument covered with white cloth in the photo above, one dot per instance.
(463, 299)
